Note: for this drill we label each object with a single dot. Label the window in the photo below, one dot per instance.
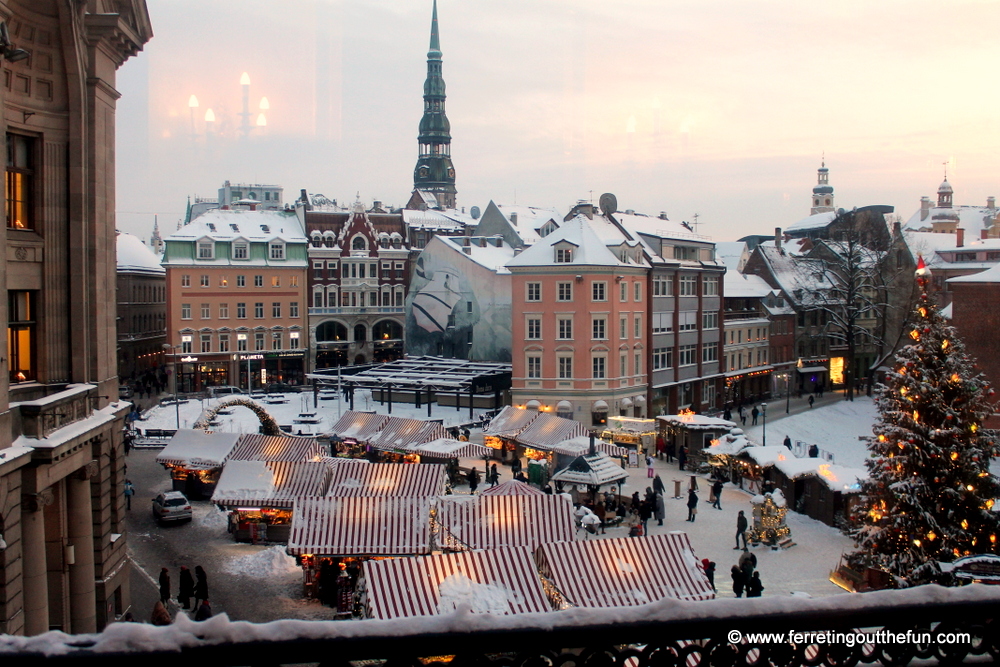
(293, 309)
(710, 320)
(277, 250)
(293, 281)
(241, 342)
(241, 311)
(663, 322)
(565, 328)
(258, 340)
(623, 327)
(565, 292)
(638, 290)
(386, 270)
(534, 292)
(258, 281)
(185, 311)
(276, 309)
(662, 358)
(19, 183)
(359, 243)
(361, 270)
(598, 367)
(399, 270)
(21, 341)
(638, 326)
(534, 367)
(204, 281)
(223, 311)
(317, 270)
(318, 298)
(258, 310)
(223, 281)
(638, 364)
(223, 342)
(965, 256)
(241, 281)
(206, 249)
(206, 311)
(686, 253)
(686, 355)
(185, 344)
(687, 320)
(206, 342)
(185, 280)
(564, 255)
(534, 329)
(275, 281)
(599, 291)
(689, 285)
(276, 340)
(710, 352)
(565, 368)
(293, 340)
(241, 250)
(623, 364)
(624, 291)
(599, 328)
(711, 286)
(662, 286)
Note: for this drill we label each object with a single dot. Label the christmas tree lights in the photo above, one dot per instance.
(929, 496)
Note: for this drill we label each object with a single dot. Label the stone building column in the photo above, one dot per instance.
(80, 529)
(34, 567)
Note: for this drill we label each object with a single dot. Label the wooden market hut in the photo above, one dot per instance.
(398, 434)
(494, 521)
(354, 428)
(696, 432)
(444, 449)
(195, 459)
(823, 491)
(500, 434)
(593, 470)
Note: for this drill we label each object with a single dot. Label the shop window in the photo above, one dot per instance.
(21, 336)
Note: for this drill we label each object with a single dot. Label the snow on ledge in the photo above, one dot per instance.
(185, 633)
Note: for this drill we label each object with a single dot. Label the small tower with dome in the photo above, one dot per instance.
(822, 200)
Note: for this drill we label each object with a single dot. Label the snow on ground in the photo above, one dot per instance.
(267, 563)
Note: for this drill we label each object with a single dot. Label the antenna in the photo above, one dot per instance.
(945, 163)
(695, 223)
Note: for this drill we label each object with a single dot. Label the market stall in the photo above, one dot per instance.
(443, 449)
(824, 491)
(722, 455)
(511, 487)
(256, 447)
(195, 459)
(590, 473)
(637, 434)
(259, 495)
(493, 521)
(694, 432)
(386, 479)
(399, 434)
(548, 433)
(352, 430)
(622, 572)
(503, 429)
(498, 581)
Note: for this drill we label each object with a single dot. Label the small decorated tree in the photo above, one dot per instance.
(929, 495)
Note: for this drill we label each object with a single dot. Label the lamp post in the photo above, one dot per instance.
(763, 413)
(177, 403)
(788, 391)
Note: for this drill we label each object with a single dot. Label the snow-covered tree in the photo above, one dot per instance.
(930, 495)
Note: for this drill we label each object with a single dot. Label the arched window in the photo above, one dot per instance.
(331, 331)
(387, 330)
(360, 333)
(359, 243)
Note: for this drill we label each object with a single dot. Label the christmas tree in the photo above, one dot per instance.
(929, 496)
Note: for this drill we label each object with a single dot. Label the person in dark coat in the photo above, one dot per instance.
(646, 510)
(200, 586)
(788, 442)
(473, 478)
(204, 612)
(708, 566)
(741, 530)
(727, 414)
(747, 563)
(635, 501)
(659, 511)
(754, 587)
(739, 581)
(160, 615)
(164, 586)
(717, 493)
(813, 451)
(186, 591)
(682, 455)
(515, 466)
(754, 414)
(743, 416)
(811, 401)
(494, 475)
(692, 505)
(658, 485)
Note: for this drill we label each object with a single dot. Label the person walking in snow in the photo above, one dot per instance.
(739, 581)
(717, 494)
(747, 563)
(812, 399)
(741, 530)
(659, 511)
(186, 591)
(473, 478)
(645, 514)
(164, 586)
(658, 486)
(692, 505)
(743, 416)
(494, 475)
(515, 466)
(754, 586)
(129, 492)
(201, 586)
(649, 467)
(682, 457)
(708, 567)
(788, 442)
(754, 413)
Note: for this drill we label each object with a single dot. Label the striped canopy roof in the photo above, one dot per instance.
(446, 448)
(359, 425)
(494, 521)
(510, 421)
(401, 433)
(499, 581)
(512, 487)
(404, 480)
(198, 450)
(625, 571)
(269, 483)
(384, 526)
(256, 447)
(547, 431)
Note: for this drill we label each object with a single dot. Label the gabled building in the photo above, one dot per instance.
(519, 226)
(947, 217)
(142, 309)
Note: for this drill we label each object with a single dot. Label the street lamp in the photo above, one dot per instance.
(788, 391)
(763, 413)
(177, 403)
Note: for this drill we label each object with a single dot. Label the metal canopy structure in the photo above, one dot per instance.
(433, 373)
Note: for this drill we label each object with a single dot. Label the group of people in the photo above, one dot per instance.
(493, 476)
(189, 588)
(745, 575)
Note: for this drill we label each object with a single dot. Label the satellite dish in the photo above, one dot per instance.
(609, 205)
(474, 212)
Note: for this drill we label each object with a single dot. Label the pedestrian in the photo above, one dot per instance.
(129, 492)
(186, 591)
(788, 442)
(515, 466)
(494, 475)
(739, 581)
(635, 501)
(692, 505)
(649, 467)
(204, 612)
(813, 451)
(741, 530)
(743, 416)
(164, 585)
(682, 457)
(754, 413)
(717, 494)
(727, 414)
(659, 511)
(160, 615)
(658, 485)
(661, 446)
(473, 478)
(708, 567)
(200, 586)
(812, 400)
(633, 523)
(747, 563)
(754, 587)
(645, 513)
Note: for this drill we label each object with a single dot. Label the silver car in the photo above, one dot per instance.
(171, 506)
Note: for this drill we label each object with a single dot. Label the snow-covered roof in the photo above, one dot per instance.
(197, 449)
(991, 275)
(493, 521)
(492, 257)
(136, 256)
(816, 221)
(588, 247)
(528, 220)
(742, 285)
(972, 219)
(230, 225)
(431, 219)
(767, 456)
(270, 483)
(730, 444)
(698, 422)
(638, 223)
(800, 278)
(596, 469)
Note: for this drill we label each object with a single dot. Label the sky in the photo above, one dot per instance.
(720, 108)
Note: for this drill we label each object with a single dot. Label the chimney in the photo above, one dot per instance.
(925, 207)
(896, 228)
(377, 205)
(663, 215)
(465, 241)
(593, 445)
(517, 251)
(984, 234)
(513, 219)
(991, 203)
(959, 237)
(777, 238)
(482, 241)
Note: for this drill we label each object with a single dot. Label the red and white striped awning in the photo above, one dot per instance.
(499, 582)
(400, 433)
(256, 447)
(547, 431)
(358, 425)
(269, 483)
(512, 487)
(494, 521)
(446, 448)
(385, 526)
(404, 480)
(624, 572)
(510, 421)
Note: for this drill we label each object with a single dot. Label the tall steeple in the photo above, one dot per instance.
(434, 172)
(823, 192)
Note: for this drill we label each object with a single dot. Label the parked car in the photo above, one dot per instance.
(171, 506)
(224, 391)
(125, 392)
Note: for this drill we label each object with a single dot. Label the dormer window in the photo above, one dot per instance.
(359, 243)
(277, 250)
(547, 229)
(241, 250)
(564, 255)
(206, 249)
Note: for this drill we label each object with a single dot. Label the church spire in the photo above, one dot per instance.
(434, 172)
(822, 198)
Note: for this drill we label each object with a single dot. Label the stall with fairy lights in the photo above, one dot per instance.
(461, 523)
(637, 434)
(195, 459)
(500, 435)
(823, 491)
(723, 455)
(548, 435)
(693, 431)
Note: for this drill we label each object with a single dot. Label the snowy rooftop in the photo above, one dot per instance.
(492, 257)
(432, 219)
(529, 220)
(798, 277)
(637, 223)
(198, 449)
(698, 422)
(587, 246)
(817, 221)
(228, 225)
(970, 218)
(991, 275)
(134, 255)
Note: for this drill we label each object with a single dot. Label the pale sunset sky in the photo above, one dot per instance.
(722, 108)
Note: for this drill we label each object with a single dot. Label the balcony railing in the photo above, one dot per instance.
(669, 633)
(358, 310)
